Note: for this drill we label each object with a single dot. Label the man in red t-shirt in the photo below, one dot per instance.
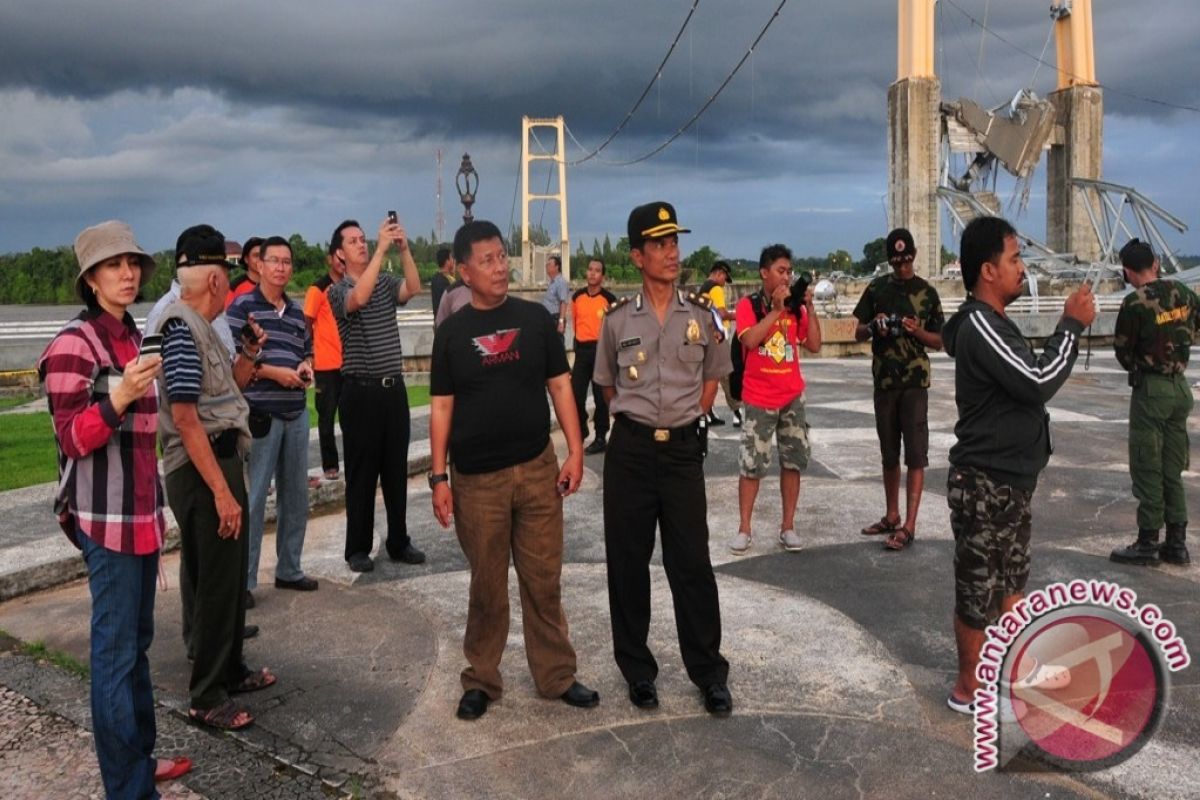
(770, 334)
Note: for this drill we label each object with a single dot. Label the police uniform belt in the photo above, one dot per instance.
(387, 381)
(657, 434)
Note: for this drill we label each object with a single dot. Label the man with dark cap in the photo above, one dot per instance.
(902, 316)
(1156, 327)
(659, 361)
(205, 438)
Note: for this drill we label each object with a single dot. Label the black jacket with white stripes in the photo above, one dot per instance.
(1001, 387)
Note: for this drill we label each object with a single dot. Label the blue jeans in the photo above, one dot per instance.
(283, 453)
(122, 588)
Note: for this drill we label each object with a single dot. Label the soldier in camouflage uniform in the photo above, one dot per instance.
(902, 316)
(1156, 327)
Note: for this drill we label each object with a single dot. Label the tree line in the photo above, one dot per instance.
(47, 276)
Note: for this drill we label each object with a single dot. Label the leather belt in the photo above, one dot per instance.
(660, 435)
(224, 444)
(386, 382)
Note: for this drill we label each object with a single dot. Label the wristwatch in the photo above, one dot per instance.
(437, 477)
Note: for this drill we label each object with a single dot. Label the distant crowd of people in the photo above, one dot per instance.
(219, 378)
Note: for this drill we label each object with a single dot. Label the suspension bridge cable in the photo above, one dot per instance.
(654, 79)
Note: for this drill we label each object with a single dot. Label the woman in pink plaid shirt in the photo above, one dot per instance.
(110, 499)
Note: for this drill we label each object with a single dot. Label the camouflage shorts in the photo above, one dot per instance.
(788, 425)
(991, 524)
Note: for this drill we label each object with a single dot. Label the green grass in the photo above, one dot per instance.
(28, 455)
(12, 401)
(417, 396)
(58, 658)
(27, 452)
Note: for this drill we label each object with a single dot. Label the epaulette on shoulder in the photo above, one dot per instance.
(702, 300)
(620, 301)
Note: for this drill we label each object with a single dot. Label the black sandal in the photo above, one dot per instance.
(899, 539)
(222, 717)
(883, 526)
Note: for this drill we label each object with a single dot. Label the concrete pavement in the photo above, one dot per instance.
(841, 654)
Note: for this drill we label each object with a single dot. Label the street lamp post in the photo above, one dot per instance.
(467, 183)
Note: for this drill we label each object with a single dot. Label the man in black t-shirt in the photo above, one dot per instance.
(493, 362)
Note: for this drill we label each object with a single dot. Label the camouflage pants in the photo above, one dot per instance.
(788, 425)
(991, 524)
(1158, 448)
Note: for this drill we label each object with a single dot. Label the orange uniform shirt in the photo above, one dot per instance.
(588, 312)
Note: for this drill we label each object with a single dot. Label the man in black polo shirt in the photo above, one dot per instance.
(374, 403)
(493, 363)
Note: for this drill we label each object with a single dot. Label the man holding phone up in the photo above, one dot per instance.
(493, 362)
(278, 412)
(373, 407)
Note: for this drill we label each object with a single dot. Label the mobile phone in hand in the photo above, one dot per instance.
(563, 485)
(151, 345)
(392, 218)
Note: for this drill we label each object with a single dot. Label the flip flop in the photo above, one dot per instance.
(177, 768)
(254, 681)
(223, 717)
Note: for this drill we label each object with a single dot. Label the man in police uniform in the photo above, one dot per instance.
(1156, 326)
(659, 360)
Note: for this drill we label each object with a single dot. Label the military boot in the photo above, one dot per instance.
(1173, 550)
(1143, 552)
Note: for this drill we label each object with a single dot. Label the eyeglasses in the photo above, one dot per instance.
(276, 261)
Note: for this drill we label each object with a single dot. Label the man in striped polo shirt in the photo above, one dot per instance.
(374, 405)
(279, 413)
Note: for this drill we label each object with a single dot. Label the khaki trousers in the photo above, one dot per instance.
(514, 511)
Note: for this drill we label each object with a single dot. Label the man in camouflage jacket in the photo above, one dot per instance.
(1156, 327)
(902, 316)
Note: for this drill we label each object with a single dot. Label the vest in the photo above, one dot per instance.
(221, 404)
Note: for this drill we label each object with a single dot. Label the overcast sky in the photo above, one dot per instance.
(265, 118)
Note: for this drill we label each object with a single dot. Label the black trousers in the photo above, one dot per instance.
(581, 379)
(212, 580)
(649, 484)
(329, 391)
(375, 433)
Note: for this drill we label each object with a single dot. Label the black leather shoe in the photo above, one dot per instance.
(717, 700)
(249, 631)
(580, 696)
(360, 562)
(409, 555)
(304, 584)
(473, 704)
(643, 694)
(596, 447)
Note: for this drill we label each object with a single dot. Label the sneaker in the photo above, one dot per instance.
(789, 541)
(361, 562)
(597, 446)
(740, 545)
(737, 418)
(714, 420)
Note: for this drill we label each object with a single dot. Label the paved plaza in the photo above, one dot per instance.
(841, 655)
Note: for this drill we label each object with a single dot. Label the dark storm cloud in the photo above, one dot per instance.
(130, 102)
(448, 66)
